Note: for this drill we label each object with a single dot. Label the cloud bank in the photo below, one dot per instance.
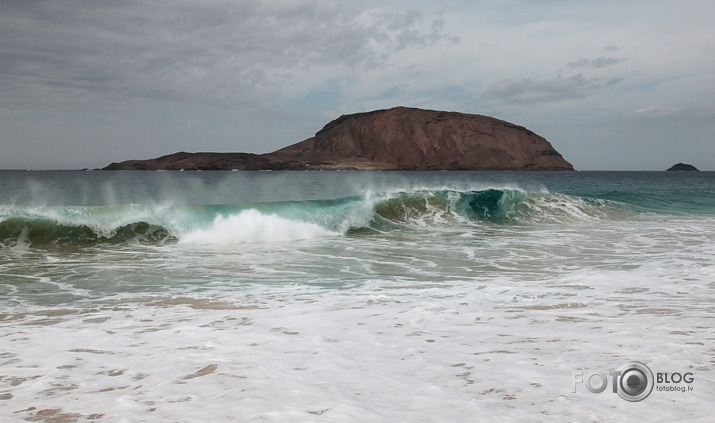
(85, 82)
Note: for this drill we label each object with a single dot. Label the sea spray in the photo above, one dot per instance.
(253, 226)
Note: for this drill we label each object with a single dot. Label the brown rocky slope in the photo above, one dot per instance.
(400, 138)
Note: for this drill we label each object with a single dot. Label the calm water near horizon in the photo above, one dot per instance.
(353, 296)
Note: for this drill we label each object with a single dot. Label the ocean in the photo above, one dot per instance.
(356, 296)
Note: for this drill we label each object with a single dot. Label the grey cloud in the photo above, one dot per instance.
(530, 91)
(399, 21)
(222, 52)
(600, 62)
(581, 63)
(404, 29)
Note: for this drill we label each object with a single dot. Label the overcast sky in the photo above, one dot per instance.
(624, 84)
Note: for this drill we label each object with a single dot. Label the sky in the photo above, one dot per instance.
(613, 85)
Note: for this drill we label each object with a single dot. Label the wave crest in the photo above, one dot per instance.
(429, 208)
(253, 226)
(292, 220)
(17, 232)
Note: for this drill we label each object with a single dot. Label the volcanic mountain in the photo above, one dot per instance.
(400, 138)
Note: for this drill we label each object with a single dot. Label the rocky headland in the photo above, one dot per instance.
(400, 138)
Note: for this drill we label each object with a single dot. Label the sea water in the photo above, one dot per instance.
(354, 296)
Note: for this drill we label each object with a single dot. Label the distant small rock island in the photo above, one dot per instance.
(682, 167)
(400, 138)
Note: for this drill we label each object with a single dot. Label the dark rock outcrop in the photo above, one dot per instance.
(682, 167)
(400, 138)
(205, 161)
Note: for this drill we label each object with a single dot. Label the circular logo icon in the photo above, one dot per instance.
(635, 382)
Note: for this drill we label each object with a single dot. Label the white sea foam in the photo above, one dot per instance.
(457, 352)
(253, 226)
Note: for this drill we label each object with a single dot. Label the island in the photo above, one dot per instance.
(400, 138)
(682, 167)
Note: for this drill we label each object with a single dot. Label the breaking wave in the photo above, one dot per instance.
(291, 220)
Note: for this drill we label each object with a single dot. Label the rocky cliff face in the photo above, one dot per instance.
(416, 139)
(395, 139)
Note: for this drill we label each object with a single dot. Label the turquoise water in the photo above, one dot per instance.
(351, 296)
